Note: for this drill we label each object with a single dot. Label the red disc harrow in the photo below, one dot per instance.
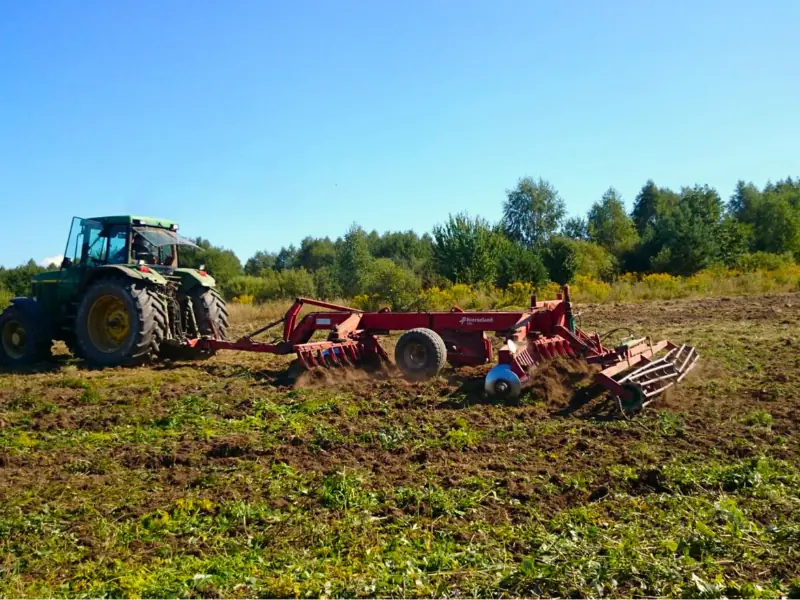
(632, 371)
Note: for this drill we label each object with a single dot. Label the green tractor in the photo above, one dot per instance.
(119, 298)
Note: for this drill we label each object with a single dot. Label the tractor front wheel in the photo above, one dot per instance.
(24, 337)
(120, 322)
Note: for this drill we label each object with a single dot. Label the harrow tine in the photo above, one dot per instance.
(657, 379)
(689, 368)
(688, 356)
(647, 369)
(346, 359)
(333, 356)
(659, 390)
(643, 369)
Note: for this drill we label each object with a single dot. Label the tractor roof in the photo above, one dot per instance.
(132, 220)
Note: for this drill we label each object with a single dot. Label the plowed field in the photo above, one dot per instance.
(218, 479)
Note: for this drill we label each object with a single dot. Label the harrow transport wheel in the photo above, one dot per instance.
(420, 353)
(24, 337)
(120, 322)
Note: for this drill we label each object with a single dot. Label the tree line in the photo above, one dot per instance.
(679, 232)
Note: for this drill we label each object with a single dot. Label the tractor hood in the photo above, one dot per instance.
(163, 237)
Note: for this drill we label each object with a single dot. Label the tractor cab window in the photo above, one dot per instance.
(91, 244)
(84, 244)
(118, 245)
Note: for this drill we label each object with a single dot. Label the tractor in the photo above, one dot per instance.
(118, 298)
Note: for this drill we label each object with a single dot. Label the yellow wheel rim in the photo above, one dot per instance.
(15, 339)
(109, 323)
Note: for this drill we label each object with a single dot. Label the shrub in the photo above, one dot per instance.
(260, 288)
(764, 260)
(561, 259)
(396, 286)
(327, 283)
(295, 282)
(518, 294)
(566, 259)
(517, 264)
(273, 285)
(587, 289)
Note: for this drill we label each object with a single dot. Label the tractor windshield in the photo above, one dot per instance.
(163, 237)
(157, 246)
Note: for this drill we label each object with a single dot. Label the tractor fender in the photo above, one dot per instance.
(130, 272)
(192, 278)
(28, 305)
(31, 307)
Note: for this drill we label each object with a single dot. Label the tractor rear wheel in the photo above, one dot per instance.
(211, 316)
(120, 322)
(420, 353)
(210, 312)
(24, 337)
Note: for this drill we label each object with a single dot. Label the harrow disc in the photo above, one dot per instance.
(502, 382)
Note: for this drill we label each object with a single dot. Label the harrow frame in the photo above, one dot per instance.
(630, 372)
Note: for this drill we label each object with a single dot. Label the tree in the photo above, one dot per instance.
(566, 258)
(221, 263)
(773, 215)
(688, 234)
(575, 228)
(610, 226)
(17, 281)
(777, 225)
(735, 240)
(652, 205)
(396, 285)
(651, 202)
(516, 263)
(286, 259)
(465, 250)
(354, 261)
(260, 263)
(326, 281)
(532, 212)
(561, 260)
(316, 253)
(745, 202)
(404, 247)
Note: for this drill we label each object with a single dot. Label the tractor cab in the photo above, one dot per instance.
(123, 241)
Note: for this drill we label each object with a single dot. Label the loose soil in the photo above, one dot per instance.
(98, 454)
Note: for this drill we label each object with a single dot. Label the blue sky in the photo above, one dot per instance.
(255, 123)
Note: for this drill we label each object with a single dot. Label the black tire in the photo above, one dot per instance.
(211, 315)
(25, 336)
(146, 313)
(210, 312)
(420, 353)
